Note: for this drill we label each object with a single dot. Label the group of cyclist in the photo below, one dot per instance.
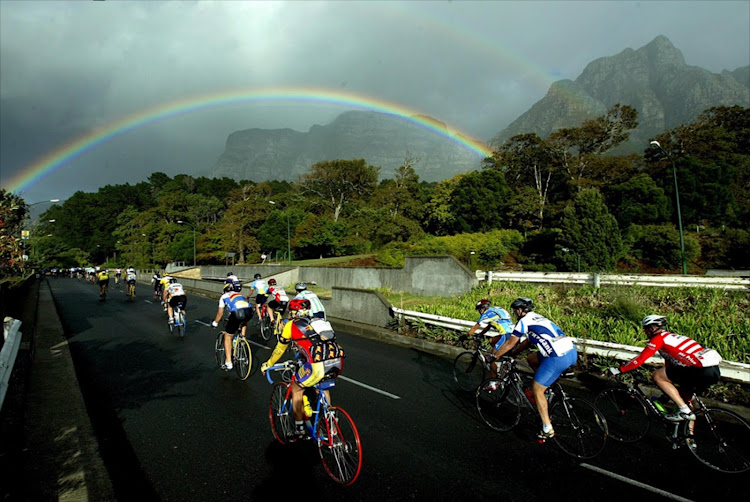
(101, 276)
(688, 364)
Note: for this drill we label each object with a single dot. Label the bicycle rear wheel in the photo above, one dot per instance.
(495, 408)
(219, 350)
(265, 326)
(626, 415)
(243, 358)
(468, 371)
(339, 446)
(182, 326)
(580, 429)
(280, 414)
(720, 439)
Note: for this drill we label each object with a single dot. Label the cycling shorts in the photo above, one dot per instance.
(277, 305)
(103, 283)
(499, 342)
(693, 379)
(233, 324)
(551, 368)
(261, 299)
(175, 300)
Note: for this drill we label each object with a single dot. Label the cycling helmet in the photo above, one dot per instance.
(272, 282)
(228, 287)
(654, 320)
(229, 274)
(172, 280)
(300, 286)
(482, 304)
(256, 276)
(297, 304)
(525, 304)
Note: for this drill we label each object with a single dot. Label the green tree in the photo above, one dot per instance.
(658, 246)
(639, 200)
(591, 232)
(439, 216)
(336, 183)
(12, 215)
(480, 201)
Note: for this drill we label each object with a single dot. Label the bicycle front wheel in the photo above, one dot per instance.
(219, 349)
(626, 415)
(468, 371)
(720, 439)
(339, 446)
(243, 358)
(580, 429)
(265, 327)
(495, 408)
(280, 414)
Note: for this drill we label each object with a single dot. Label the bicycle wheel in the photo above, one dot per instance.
(468, 371)
(720, 439)
(280, 414)
(265, 326)
(243, 358)
(219, 349)
(495, 409)
(182, 325)
(626, 415)
(339, 446)
(580, 429)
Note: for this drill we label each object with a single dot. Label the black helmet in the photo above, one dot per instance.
(482, 304)
(525, 304)
(228, 287)
(256, 276)
(229, 273)
(300, 286)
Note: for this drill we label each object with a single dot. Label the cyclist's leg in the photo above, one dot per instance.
(665, 384)
(549, 370)
(229, 330)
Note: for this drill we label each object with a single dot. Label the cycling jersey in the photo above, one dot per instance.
(233, 302)
(260, 286)
(316, 306)
(278, 293)
(677, 350)
(130, 275)
(102, 276)
(498, 318)
(234, 281)
(546, 335)
(175, 289)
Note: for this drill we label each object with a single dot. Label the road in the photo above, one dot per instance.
(172, 426)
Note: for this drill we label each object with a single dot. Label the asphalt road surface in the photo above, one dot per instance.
(172, 426)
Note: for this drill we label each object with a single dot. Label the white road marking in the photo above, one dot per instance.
(636, 483)
(201, 322)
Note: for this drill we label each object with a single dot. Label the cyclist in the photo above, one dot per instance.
(118, 274)
(239, 313)
(156, 283)
(130, 277)
(687, 363)
(234, 281)
(163, 285)
(491, 317)
(174, 294)
(102, 276)
(261, 292)
(279, 298)
(557, 353)
(319, 355)
(317, 308)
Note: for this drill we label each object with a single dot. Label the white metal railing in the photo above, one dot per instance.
(8, 353)
(729, 369)
(596, 279)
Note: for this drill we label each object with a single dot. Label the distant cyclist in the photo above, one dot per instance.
(316, 306)
(234, 281)
(278, 298)
(156, 283)
(174, 295)
(688, 364)
(240, 312)
(102, 277)
(118, 274)
(130, 278)
(260, 287)
(491, 317)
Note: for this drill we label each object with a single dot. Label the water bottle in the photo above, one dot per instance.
(658, 405)
(306, 405)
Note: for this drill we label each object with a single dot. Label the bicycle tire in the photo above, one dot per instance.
(627, 417)
(581, 431)
(280, 414)
(183, 326)
(468, 371)
(243, 358)
(720, 439)
(339, 446)
(494, 407)
(219, 350)
(265, 327)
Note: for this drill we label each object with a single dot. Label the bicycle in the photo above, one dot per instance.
(332, 428)
(103, 292)
(178, 323)
(471, 367)
(241, 354)
(130, 290)
(718, 438)
(266, 322)
(580, 429)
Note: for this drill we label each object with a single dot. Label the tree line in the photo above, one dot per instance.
(564, 202)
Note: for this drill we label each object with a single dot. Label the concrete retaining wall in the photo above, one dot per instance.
(359, 305)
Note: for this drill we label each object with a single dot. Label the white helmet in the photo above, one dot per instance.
(654, 319)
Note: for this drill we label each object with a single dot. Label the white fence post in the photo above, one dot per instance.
(8, 353)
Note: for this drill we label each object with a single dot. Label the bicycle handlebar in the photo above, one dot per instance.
(278, 367)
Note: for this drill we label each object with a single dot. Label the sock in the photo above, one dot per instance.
(685, 409)
(546, 427)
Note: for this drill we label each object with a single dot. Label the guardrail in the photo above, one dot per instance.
(8, 353)
(597, 279)
(729, 369)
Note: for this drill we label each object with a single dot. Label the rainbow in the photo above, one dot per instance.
(63, 155)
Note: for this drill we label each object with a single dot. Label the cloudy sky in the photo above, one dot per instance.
(70, 69)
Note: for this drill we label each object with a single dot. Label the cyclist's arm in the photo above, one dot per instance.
(507, 345)
(219, 315)
(641, 358)
(281, 346)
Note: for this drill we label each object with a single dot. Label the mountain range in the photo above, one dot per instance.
(655, 80)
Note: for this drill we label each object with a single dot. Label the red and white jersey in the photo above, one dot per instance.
(278, 293)
(677, 350)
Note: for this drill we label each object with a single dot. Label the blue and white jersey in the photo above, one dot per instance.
(546, 335)
(260, 286)
(498, 318)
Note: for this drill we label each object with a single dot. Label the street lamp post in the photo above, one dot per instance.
(191, 226)
(288, 236)
(677, 197)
